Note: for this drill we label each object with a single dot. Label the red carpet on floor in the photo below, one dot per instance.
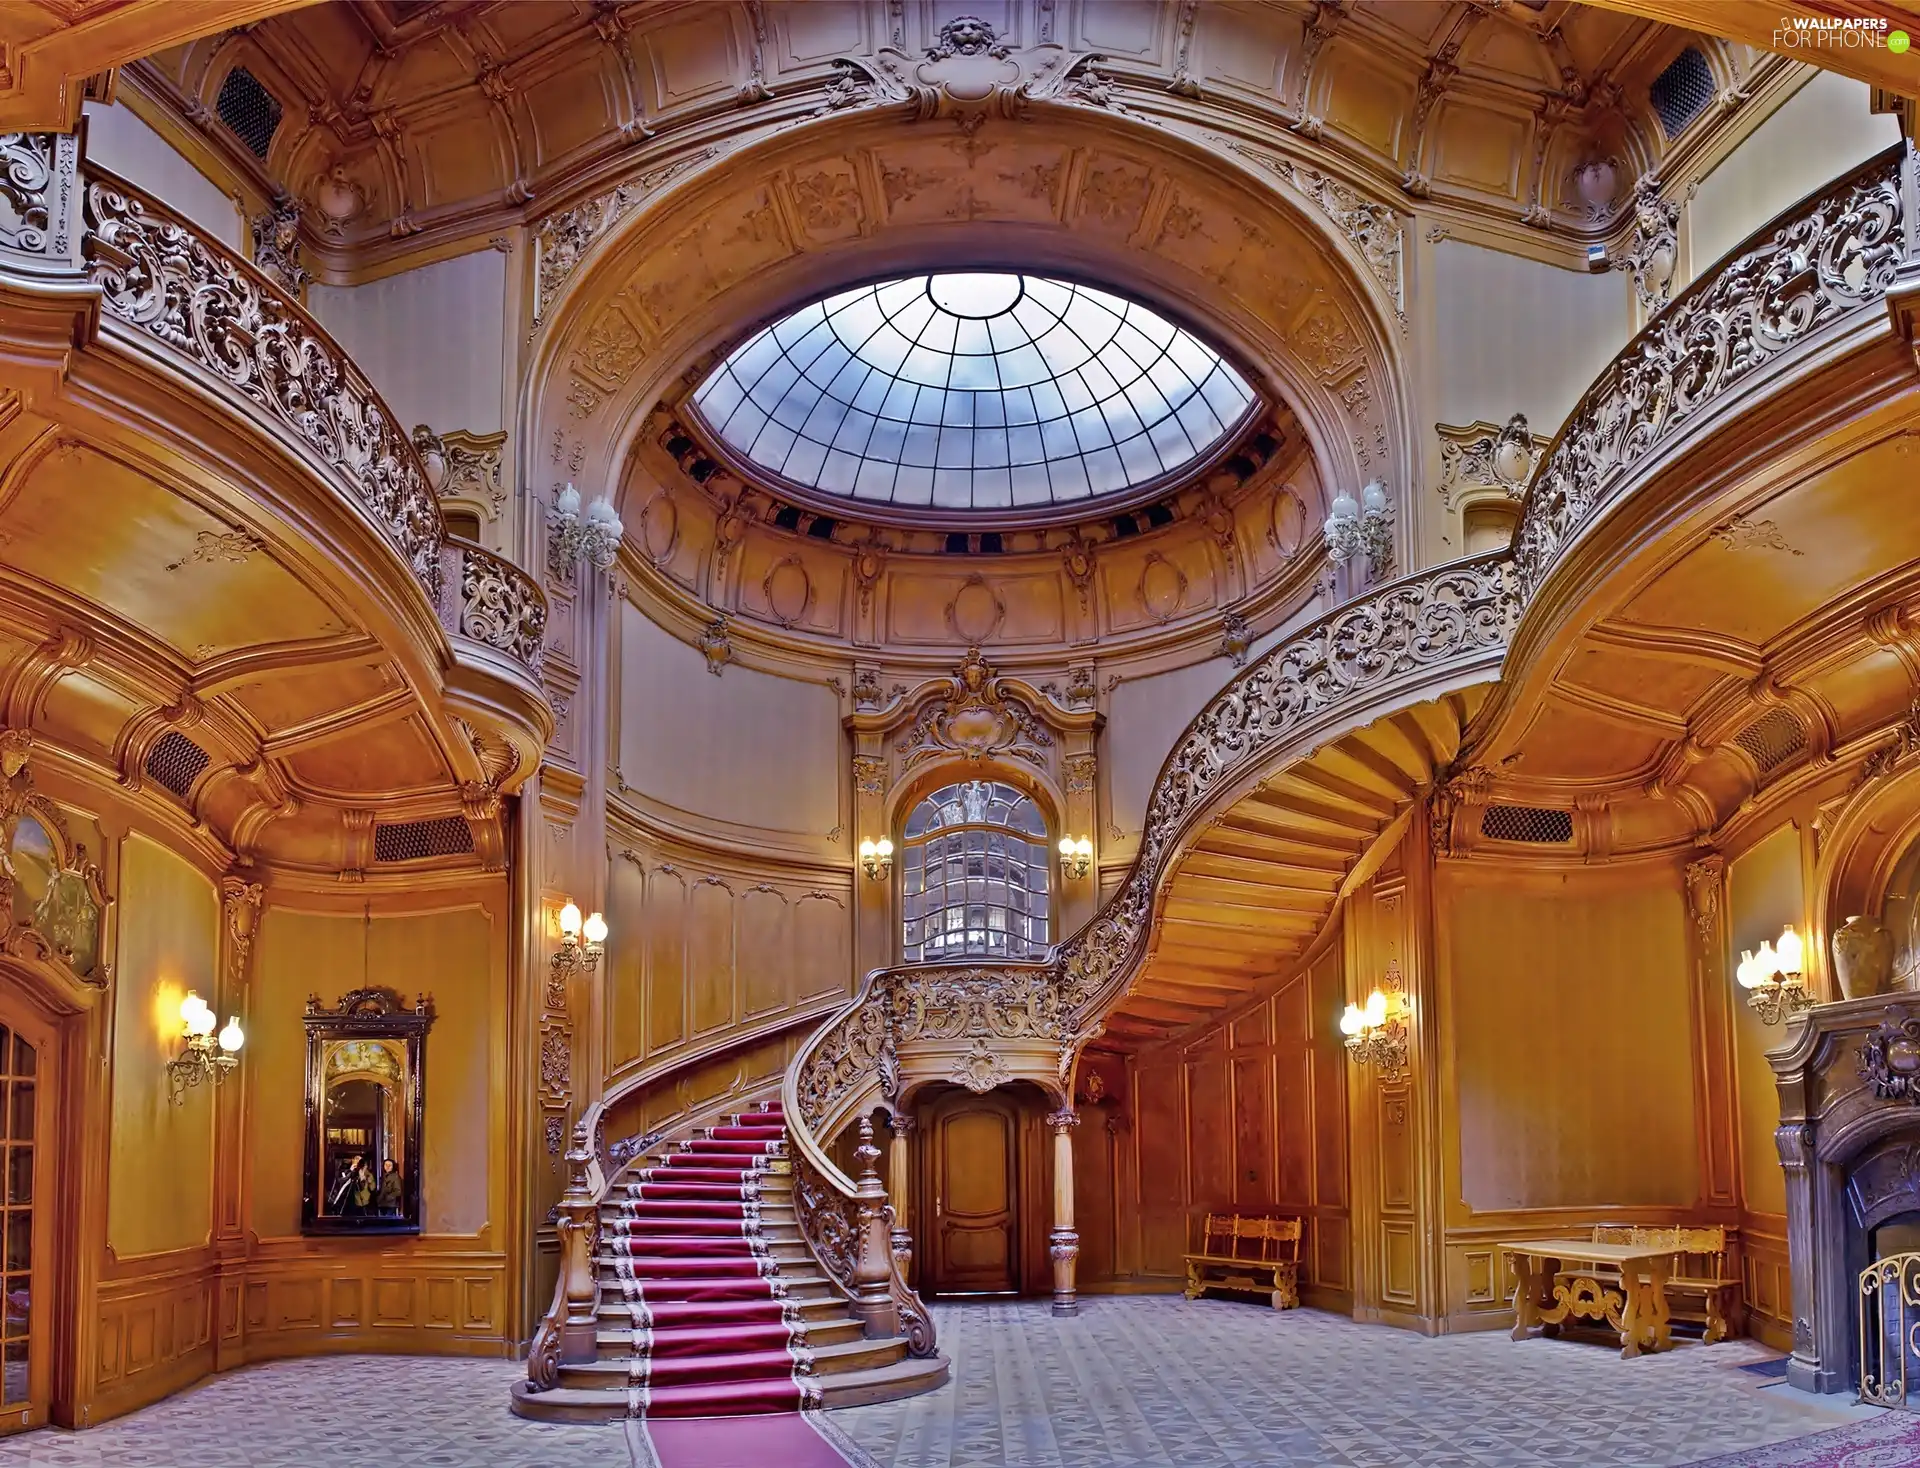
(713, 1332)
(1889, 1441)
(773, 1440)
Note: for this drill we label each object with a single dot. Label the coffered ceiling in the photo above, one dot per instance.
(410, 119)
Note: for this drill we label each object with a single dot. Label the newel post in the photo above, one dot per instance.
(578, 1219)
(873, 1268)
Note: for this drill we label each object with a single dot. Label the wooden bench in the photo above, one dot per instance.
(1238, 1253)
(1699, 1274)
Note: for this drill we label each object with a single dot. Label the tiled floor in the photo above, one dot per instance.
(1133, 1381)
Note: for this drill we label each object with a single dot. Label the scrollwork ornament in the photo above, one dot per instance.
(502, 606)
(158, 274)
(1839, 253)
(1890, 1058)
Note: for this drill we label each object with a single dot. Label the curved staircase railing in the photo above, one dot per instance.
(1834, 256)
(1427, 633)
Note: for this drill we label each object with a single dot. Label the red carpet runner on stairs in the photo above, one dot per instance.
(713, 1331)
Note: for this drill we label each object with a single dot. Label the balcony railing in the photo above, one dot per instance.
(1829, 260)
(1832, 257)
(1417, 637)
(248, 339)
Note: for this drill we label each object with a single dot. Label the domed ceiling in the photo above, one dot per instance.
(951, 395)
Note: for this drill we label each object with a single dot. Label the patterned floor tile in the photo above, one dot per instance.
(1151, 1382)
(1134, 1382)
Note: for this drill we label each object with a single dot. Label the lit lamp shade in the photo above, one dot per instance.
(231, 1039)
(196, 1016)
(884, 847)
(570, 920)
(1788, 952)
(1352, 1021)
(594, 929)
(1747, 972)
(1376, 1010)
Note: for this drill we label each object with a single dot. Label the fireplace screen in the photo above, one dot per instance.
(1889, 1329)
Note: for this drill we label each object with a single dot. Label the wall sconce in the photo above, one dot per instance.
(1359, 529)
(573, 536)
(582, 940)
(1377, 1032)
(876, 857)
(1771, 978)
(205, 1056)
(1076, 857)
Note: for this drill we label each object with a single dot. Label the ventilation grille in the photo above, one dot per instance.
(416, 840)
(249, 109)
(1772, 739)
(176, 762)
(1681, 92)
(1531, 823)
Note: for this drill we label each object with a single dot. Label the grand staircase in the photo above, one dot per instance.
(711, 1303)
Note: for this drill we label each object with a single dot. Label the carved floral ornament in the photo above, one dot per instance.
(970, 74)
(52, 896)
(976, 715)
(1483, 456)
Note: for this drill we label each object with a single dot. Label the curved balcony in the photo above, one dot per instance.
(251, 346)
(1788, 292)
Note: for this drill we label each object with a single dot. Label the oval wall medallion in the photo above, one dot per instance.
(659, 527)
(1289, 522)
(976, 611)
(1163, 586)
(789, 591)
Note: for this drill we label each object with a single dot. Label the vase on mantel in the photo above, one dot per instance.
(1862, 957)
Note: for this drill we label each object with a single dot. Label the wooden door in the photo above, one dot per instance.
(27, 1095)
(972, 1194)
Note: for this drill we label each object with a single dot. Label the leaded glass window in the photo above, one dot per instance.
(973, 392)
(975, 874)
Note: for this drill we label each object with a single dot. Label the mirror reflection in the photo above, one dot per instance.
(365, 1102)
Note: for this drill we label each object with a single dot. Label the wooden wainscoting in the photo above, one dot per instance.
(443, 1301)
(164, 1321)
(1769, 1292)
(154, 1322)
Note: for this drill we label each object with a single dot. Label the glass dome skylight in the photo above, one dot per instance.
(973, 392)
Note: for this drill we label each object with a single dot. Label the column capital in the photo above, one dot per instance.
(1063, 1120)
(901, 1124)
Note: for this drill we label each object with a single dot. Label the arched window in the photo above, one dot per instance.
(975, 874)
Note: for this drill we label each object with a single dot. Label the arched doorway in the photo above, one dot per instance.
(984, 1187)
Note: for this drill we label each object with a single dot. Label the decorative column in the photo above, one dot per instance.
(873, 1259)
(240, 902)
(1063, 1244)
(899, 1179)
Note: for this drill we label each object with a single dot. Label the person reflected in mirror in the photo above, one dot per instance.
(387, 1195)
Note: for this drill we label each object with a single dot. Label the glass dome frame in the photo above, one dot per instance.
(1093, 506)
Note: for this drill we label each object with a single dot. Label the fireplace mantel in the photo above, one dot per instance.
(1851, 1162)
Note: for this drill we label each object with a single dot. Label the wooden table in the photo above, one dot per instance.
(1553, 1286)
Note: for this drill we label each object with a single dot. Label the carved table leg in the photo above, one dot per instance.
(1194, 1283)
(1526, 1293)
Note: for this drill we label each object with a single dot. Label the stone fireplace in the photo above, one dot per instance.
(1849, 1138)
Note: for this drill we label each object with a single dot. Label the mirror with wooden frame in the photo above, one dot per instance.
(366, 1097)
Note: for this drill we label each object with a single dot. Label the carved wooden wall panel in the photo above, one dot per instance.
(719, 944)
(1248, 1115)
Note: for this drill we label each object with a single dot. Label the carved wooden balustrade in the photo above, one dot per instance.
(247, 339)
(984, 1024)
(1829, 260)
